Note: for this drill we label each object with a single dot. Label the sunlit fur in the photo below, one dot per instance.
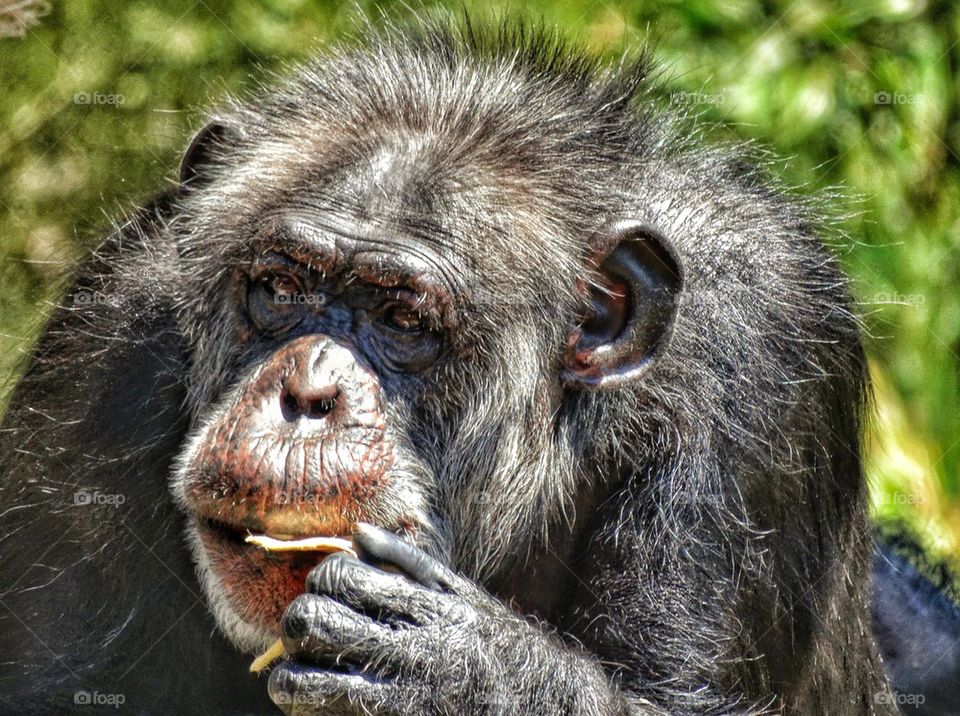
(728, 496)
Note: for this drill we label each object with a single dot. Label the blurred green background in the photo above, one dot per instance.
(860, 99)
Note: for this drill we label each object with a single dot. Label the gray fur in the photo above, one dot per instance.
(712, 513)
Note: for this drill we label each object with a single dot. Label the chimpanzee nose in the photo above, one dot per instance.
(308, 396)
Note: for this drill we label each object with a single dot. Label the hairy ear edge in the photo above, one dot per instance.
(203, 152)
(632, 303)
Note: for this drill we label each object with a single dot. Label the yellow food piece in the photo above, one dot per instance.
(307, 544)
(273, 652)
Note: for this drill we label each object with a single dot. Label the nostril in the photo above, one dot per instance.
(289, 402)
(297, 401)
(321, 407)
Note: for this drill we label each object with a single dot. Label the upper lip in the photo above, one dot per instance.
(282, 524)
(240, 532)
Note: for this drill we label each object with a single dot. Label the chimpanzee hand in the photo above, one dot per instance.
(363, 640)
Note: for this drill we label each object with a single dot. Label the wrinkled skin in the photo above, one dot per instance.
(589, 399)
(379, 636)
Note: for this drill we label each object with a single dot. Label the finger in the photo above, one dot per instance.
(321, 629)
(299, 689)
(389, 597)
(382, 547)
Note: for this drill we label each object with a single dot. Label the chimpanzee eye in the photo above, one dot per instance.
(274, 300)
(404, 319)
(279, 291)
(281, 286)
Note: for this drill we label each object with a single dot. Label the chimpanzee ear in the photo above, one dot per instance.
(203, 153)
(632, 303)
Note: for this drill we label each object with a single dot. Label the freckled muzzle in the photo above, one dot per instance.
(301, 450)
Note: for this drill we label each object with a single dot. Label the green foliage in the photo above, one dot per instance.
(97, 101)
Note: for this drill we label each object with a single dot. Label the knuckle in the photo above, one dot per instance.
(282, 688)
(333, 575)
(296, 691)
(300, 617)
(318, 627)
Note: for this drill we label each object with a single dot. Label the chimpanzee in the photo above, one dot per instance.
(586, 395)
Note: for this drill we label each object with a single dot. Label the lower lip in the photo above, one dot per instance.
(259, 584)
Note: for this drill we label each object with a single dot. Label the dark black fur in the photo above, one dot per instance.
(916, 619)
(104, 599)
(699, 543)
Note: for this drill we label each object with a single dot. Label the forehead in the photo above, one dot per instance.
(387, 198)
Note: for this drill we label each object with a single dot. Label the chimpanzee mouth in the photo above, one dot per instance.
(260, 584)
(225, 530)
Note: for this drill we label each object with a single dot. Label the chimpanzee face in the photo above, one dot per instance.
(313, 437)
(379, 339)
